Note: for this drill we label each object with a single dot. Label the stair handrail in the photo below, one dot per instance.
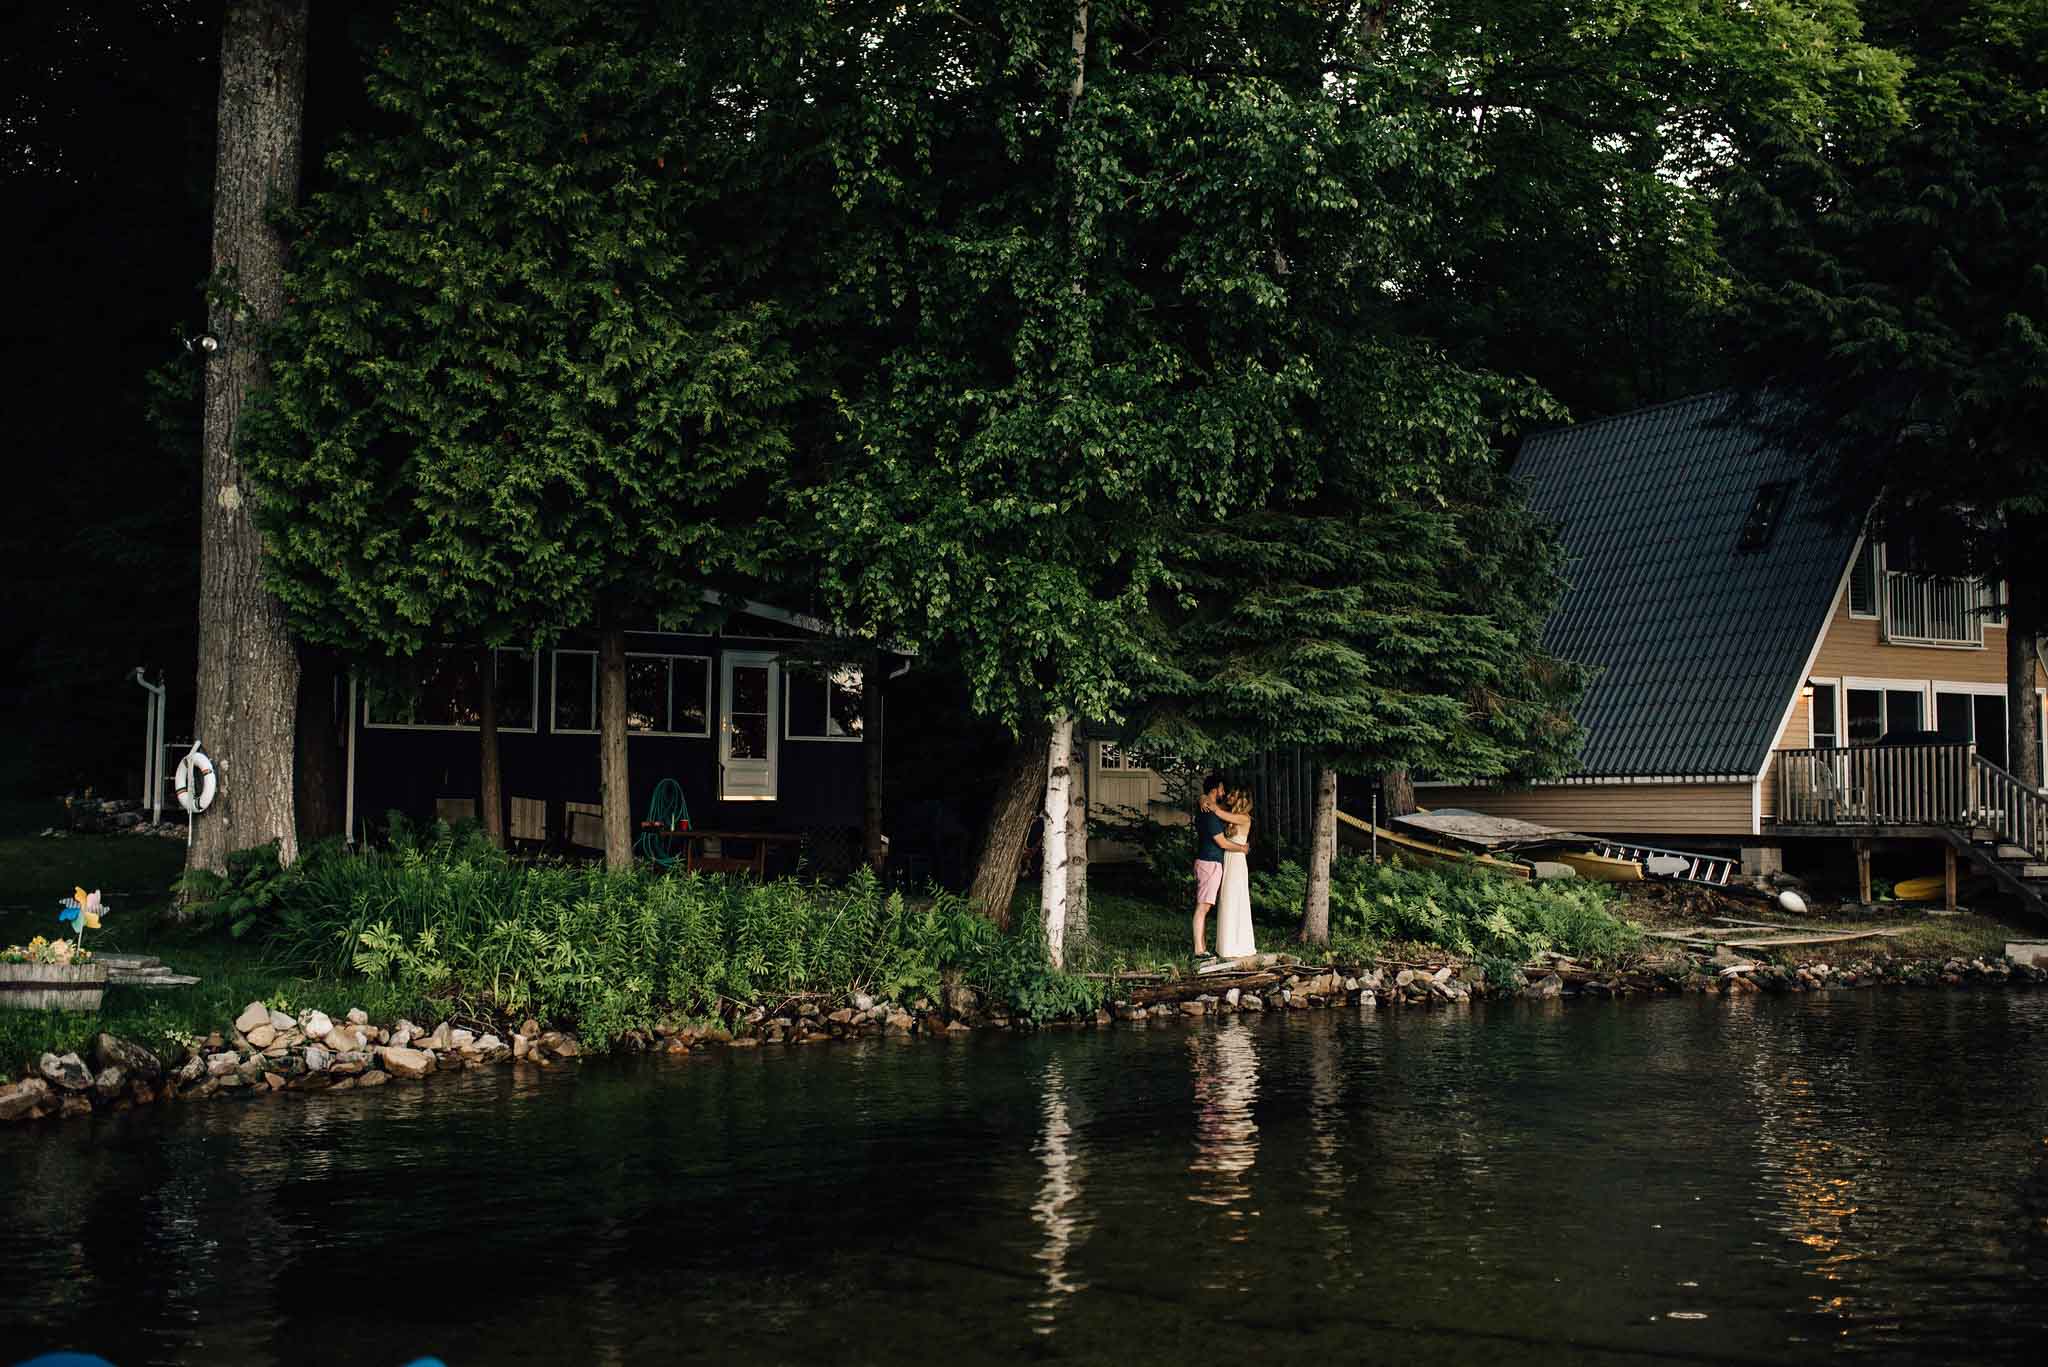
(2022, 812)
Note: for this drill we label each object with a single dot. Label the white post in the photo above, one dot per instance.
(153, 746)
(348, 802)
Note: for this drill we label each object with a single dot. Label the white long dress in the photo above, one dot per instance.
(1234, 905)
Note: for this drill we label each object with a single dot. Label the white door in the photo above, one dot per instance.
(749, 682)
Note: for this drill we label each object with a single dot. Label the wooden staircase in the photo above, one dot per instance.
(2006, 835)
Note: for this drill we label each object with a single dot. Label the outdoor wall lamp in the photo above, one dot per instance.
(1806, 690)
(203, 346)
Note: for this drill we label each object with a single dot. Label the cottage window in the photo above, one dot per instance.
(1826, 724)
(1114, 756)
(446, 693)
(575, 705)
(823, 706)
(668, 695)
(1863, 581)
(1766, 510)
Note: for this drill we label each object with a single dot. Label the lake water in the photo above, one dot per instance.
(1857, 1176)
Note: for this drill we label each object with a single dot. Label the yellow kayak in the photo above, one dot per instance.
(1921, 889)
(1602, 869)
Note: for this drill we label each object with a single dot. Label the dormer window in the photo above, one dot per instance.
(1766, 510)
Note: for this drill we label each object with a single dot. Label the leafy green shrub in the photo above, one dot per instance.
(235, 901)
(1483, 916)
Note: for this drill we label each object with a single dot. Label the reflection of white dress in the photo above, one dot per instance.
(1234, 905)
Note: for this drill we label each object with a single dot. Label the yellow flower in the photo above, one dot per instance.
(37, 943)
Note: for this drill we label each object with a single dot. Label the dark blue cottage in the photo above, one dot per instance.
(759, 737)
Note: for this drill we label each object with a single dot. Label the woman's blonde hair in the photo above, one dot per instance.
(1239, 801)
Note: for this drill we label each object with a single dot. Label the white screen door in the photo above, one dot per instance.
(746, 733)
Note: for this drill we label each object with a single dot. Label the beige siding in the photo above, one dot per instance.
(1619, 808)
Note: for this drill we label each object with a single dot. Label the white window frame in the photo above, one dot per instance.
(1841, 731)
(1103, 748)
(710, 702)
(1875, 550)
(555, 693)
(533, 684)
(1924, 687)
(789, 680)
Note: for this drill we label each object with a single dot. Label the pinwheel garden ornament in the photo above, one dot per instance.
(82, 911)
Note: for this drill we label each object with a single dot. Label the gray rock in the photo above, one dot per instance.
(110, 1081)
(441, 1039)
(1404, 977)
(67, 1073)
(861, 1001)
(253, 1015)
(109, 1052)
(1232, 997)
(22, 1099)
(521, 1046)
(959, 999)
(358, 1016)
(1368, 997)
(344, 1039)
(370, 1079)
(262, 1037)
(1546, 987)
(318, 1058)
(461, 1038)
(316, 1025)
(193, 1069)
(280, 1022)
(350, 1062)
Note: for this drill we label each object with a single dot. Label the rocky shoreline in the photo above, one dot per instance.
(267, 1052)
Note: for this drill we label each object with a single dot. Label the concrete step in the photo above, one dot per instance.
(2006, 851)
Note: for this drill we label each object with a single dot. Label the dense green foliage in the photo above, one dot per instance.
(445, 915)
(1895, 280)
(518, 390)
(1501, 922)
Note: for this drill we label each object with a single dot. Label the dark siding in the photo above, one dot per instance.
(819, 783)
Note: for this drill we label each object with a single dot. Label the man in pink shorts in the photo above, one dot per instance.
(1211, 835)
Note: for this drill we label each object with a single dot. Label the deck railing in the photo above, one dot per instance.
(1877, 785)
(1922, 609)
(2016, 812)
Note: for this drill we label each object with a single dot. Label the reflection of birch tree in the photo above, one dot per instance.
(1056, 1211)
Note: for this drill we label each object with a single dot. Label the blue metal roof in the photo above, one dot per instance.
(1699, 644)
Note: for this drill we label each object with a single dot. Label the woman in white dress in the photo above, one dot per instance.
(1234, 900)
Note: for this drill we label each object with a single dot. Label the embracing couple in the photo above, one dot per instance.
(1223, 830)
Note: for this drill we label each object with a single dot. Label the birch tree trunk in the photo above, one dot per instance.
(1009, 823)
(1077, 845)
(616, 791)
(490, 788)
(246, 701)
(1322, 851)
(1052, 881)
(2022, 707)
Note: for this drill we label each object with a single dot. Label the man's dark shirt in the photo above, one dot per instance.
(1208, 826)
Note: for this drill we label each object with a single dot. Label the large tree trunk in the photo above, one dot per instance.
(490, 782)
(1322, 850)
(1009, 823)
(1052, 880)
(1397, 794)
(1077, 846)
(318, 778)
(2022, 707)
(246, 702)
(616, 792)
(871, 755)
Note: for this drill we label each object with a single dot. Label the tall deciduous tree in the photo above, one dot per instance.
(1895, 285)
(525, 389)
(1107, 258)
(247, 696)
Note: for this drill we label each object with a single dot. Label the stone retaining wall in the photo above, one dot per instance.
(268, 1052)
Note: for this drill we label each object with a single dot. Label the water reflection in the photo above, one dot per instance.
(1226, 1078)
(1056, 1209)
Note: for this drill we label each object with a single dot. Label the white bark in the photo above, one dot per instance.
(1077, 845)
(1052, 882)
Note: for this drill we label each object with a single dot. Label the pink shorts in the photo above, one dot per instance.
(1208, 881)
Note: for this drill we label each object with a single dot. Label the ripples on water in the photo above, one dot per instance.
(1756, 1180)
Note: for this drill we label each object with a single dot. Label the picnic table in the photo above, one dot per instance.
(691, 840)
